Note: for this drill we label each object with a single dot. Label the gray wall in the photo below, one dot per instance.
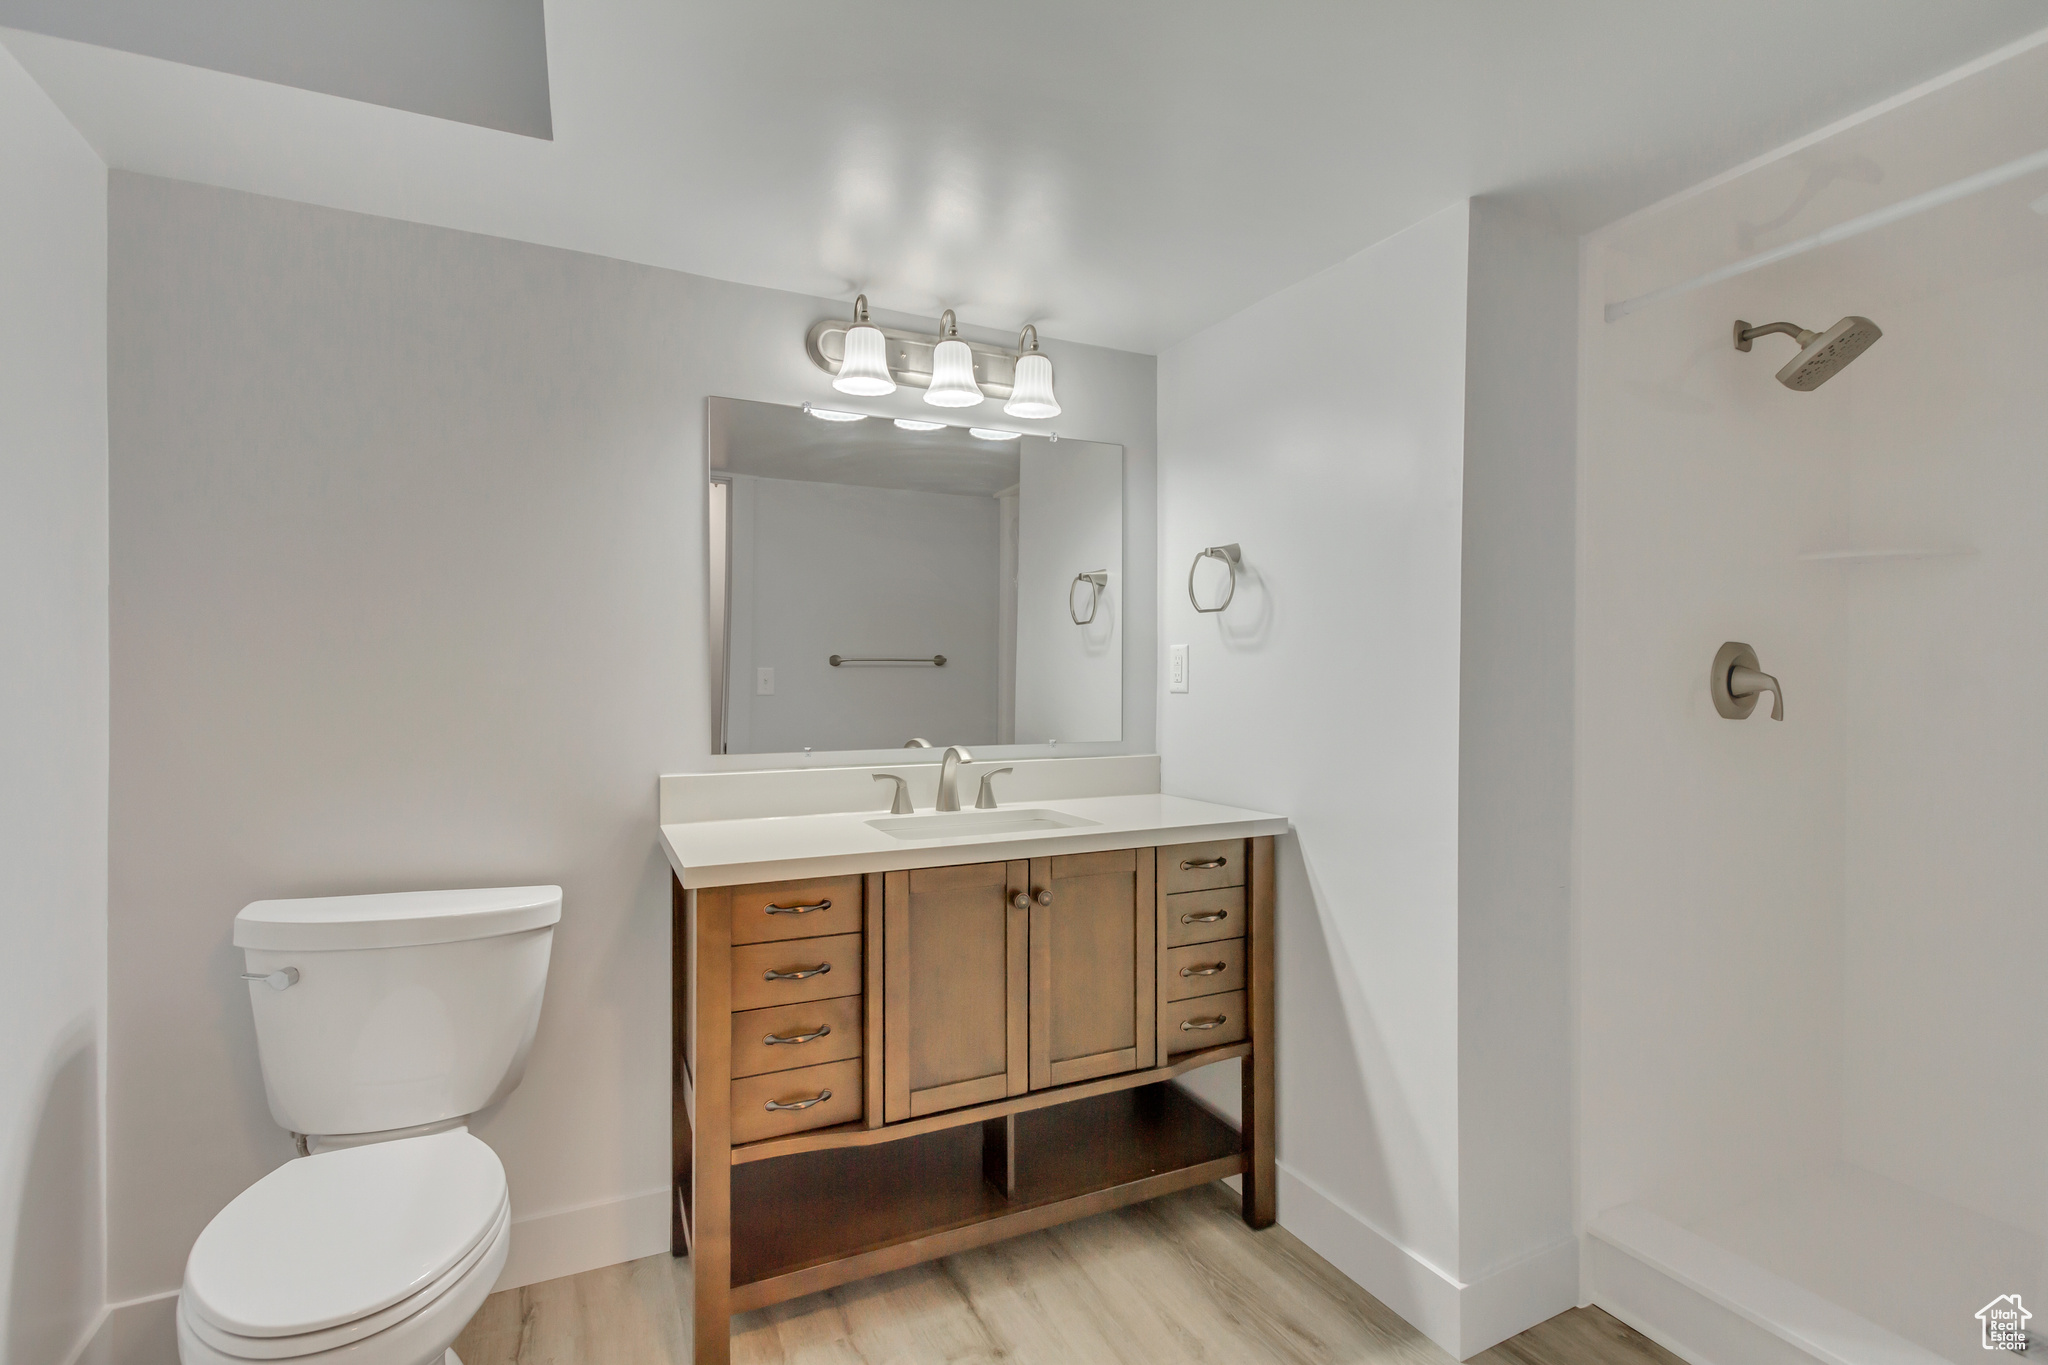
(408, 591)
(53, 722)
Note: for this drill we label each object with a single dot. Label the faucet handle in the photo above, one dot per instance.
(1736, 679)
(987, 799)
(901, 804)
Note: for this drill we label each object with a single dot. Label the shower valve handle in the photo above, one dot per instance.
(1747, 682)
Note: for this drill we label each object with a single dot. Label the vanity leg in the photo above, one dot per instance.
(999, 1153)
(1258, 1123)
(711, 1157)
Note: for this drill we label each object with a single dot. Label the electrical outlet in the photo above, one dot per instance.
(1177, 668)
(764, 682)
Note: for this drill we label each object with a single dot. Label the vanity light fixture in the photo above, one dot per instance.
(952, 383)
(918, 424)
(1032, 395)
(865, 370)
(992, 434)
(835, 414)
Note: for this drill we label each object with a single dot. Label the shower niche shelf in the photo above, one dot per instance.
(1852, 556)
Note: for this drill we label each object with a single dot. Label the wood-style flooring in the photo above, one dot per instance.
(1177, 1281)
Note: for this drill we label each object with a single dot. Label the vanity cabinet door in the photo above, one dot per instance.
(1093, 963)
(954, 987)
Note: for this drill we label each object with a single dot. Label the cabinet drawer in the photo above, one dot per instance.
(1203, 916)
(837, 1082)
(1201, 867)
(753, 986)
(1200, 969)
(1205, 1021)
(753, 1054)
(770, 911)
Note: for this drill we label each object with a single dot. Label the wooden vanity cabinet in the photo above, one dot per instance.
(879, 1069)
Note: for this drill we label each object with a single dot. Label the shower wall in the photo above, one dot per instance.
(1812, 1039)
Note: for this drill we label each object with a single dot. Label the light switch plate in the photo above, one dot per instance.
(1177, 668)
(764, 682)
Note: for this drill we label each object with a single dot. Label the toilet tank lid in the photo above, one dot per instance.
(396, 919)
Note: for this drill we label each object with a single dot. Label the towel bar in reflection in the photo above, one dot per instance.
(936, 661)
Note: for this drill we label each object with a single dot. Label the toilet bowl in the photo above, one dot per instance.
(372, 1255)
(382, 1023)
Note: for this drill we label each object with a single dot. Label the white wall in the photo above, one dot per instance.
(1515, 1051)
(1069, 677)
(1392, 444)
(409, 590)
(53, 724)
(820, 569)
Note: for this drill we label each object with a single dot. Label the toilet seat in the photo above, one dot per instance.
(331, 1250)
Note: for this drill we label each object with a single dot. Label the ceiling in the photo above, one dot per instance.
(1123, 174)
(477, 61)
(776, 441)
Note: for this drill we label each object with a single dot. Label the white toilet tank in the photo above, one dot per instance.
(392, 1011)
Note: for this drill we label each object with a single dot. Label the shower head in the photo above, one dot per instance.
(1821, 354)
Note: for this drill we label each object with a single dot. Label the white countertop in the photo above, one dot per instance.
(783, 848)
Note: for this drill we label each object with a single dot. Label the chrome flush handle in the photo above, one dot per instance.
(283, 979)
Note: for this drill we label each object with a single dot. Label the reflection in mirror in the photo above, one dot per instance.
(873, 585)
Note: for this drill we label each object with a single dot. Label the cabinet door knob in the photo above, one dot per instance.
(1045, 897)
(1021, 900)
(799, 974)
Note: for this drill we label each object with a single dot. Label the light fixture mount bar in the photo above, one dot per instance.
(910, 356)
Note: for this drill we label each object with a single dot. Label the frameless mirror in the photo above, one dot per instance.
(872, 585)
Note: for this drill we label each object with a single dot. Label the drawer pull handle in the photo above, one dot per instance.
(1218, 1021)
(819, 1032)
(819, 1098)
(1204, 865)
(1209, 970)
(800, 974)
(1212, 917)
(798, 909)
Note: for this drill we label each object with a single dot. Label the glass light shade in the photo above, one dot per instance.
(834, 414)
(865, 370)
(953, 383)
(1032, 396)
(918, 424)
(992, 434)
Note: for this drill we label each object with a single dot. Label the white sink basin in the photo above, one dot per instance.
(968, 823)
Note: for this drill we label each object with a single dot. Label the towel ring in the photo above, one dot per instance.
(1097, 580)
(1231, 557)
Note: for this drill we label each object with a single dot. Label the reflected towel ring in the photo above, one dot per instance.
(1097, 580)
(1231, 556)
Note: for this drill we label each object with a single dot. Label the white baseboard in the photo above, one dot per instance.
(547, 1246)
(1463, 1318)
(1714, 1307)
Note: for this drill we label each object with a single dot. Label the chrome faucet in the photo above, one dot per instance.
(949, 777)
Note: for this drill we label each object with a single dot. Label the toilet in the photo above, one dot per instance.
(382, 1023)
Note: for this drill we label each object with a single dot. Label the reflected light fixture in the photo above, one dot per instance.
(865, 370)
(918, 424)
(992, 434)
(952, 383)
(1032, 394)
(834, 414)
